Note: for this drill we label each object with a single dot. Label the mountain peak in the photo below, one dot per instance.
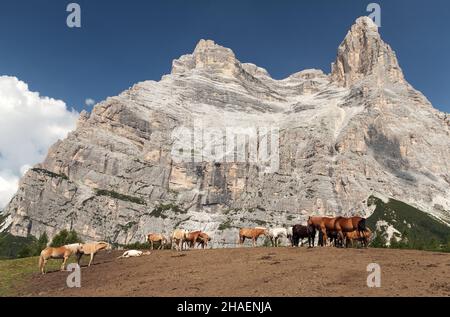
(207, 54)
(363, 54)
(204, 45)
(366, 23)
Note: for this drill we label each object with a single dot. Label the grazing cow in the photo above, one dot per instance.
(275, 234)
(360, 236)
(203, 240)
(133, 253)
(251, 233)
(342, 224)
(178, 237)
(63, 252)
(300, 232)
(93, 248)
(156, 237)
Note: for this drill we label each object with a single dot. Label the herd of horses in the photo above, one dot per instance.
(337, 231)
(66, 251)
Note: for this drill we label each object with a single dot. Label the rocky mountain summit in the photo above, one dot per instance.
(219, 144)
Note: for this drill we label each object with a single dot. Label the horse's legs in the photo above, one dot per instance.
(341, 236)
(79, 255)
(63, 265)
(42, 263)
(91, 260)
(151, 245)
(324, 236)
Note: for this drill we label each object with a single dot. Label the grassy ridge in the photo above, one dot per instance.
(418, 229)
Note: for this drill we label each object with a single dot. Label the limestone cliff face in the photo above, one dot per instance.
(158, 156)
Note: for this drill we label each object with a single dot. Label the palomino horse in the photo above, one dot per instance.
(300, 232)
(343, 224)
(362, 236)
(275, 234)
(203, 240)
(93, 248)
(322, 224)
(251, 233)
(63, 252)
(177, 239)
(156, 237)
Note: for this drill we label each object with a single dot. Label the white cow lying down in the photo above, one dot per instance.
(133, 253)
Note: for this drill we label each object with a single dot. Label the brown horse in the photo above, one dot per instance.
(343, 224)
(191, 238)
(63, 253)
(361, 236)
(322, 224)
(300, 232)
(251, 233)
(203, 240)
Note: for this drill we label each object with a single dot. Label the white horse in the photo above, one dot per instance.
(290, 234)
(133, 254)
(275, 234)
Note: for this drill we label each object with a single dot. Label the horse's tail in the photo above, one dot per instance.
(374, 235)
(362, 225)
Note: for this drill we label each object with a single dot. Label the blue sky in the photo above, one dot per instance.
(124, 42)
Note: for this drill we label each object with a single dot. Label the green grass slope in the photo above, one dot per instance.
(416, 229)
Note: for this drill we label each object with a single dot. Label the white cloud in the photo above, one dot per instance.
(29, 125)
(8, 187)
(89, 102)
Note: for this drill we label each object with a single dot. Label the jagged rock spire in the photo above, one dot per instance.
(362, 54)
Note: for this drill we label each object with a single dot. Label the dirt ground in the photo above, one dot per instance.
(254, 272)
